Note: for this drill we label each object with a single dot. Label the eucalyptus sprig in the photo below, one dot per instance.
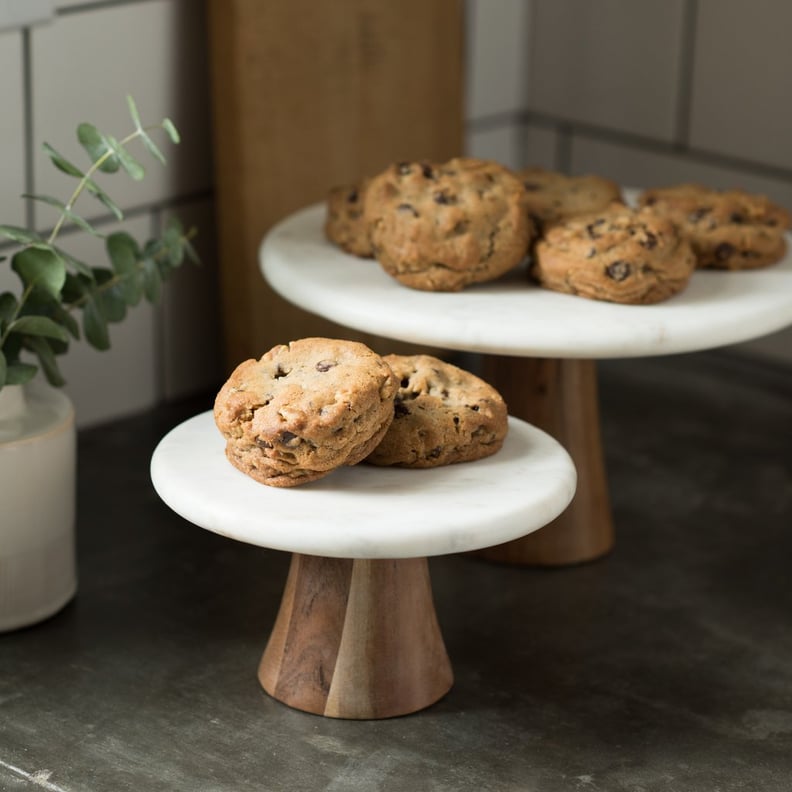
(56, 285)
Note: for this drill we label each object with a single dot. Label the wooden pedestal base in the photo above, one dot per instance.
(560, 397)
(356, 639)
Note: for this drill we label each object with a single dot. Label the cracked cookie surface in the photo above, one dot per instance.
(442, 227)
(304, 409)
(729, 230)
(553, 197)
(443, 414)
(620, 255)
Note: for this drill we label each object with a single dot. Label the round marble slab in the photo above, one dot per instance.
(365, 511)
(511, 316)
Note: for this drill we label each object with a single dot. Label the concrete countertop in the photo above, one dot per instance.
(666, 666)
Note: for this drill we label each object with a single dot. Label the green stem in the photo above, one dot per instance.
(15, 315)
(95, 166)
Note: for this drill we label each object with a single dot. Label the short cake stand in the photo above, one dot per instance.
(539, 347)
(357, 635)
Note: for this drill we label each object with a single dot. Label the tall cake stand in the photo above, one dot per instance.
(357, 635)
(540, 347)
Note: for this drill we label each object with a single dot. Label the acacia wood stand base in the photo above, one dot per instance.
(560, 397)
(356, 639)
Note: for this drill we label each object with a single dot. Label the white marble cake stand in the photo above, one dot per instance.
(540, 347)
(357, 635)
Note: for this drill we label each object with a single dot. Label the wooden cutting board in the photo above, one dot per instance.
(307, 95)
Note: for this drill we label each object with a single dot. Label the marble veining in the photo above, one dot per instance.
(366, 511)
(514, 317)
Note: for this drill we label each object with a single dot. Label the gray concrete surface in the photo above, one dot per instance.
(665, 667)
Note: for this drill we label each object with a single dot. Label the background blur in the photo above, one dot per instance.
(648, 93)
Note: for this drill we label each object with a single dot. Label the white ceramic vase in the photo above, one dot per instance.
(38, 455)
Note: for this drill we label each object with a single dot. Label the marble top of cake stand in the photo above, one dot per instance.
(511, 316)
(365, 511)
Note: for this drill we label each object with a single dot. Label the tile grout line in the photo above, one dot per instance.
(39, 778)
(97, 5)
(27, 125)
(686, 66)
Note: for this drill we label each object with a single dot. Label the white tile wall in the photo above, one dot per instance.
(502, 144)
(12, 146)
(84, 65)
(191, 332)
(742, 102)
(641, 167)
(497, 33)
(612, 63)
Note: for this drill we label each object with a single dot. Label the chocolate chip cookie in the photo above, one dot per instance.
(442, 227)
(553, 197)
(620, 255)
(729, 230)
(443, 415)
(345, 224)
(304, 409)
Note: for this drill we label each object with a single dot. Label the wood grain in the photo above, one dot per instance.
(306, 96)
(357, 639)
(560, 397)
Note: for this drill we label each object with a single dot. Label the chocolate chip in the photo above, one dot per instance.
(474, 407)
(696, 215)
(435, 452)
(618, 270)
(280, 372)
(263, 443)
(736, 217)
(443, 198)
(288, 438)
(456, 420)
(592, 226)
(325, 365)
(650, 241)
(724, 251)
(399, 410)
(405, 207)
(531, 186)
(405, 382)
(352, 197)
(403, 168)
(427, 171)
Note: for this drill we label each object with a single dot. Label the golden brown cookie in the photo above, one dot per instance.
(553, 197)
(443, 415)
(443, 227)
(620, 255)
(345, 224)
(730, 230)
(304, 409)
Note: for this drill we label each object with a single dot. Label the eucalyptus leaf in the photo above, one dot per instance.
(151, 147)
(133, 111)
(63, 317)
(67, 211)
(41, 268)
(43, 351)
(123, 251)
(20, 373)
(169, 127)
(61, 163)
(105, 199)
(128, 162)
(8, 304)
(38, 326)
(95, 326)
(75, 263)
(98, 148)
(21, 235)
(152, 281)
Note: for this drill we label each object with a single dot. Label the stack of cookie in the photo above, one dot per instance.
(309, 407)
(444, 227)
